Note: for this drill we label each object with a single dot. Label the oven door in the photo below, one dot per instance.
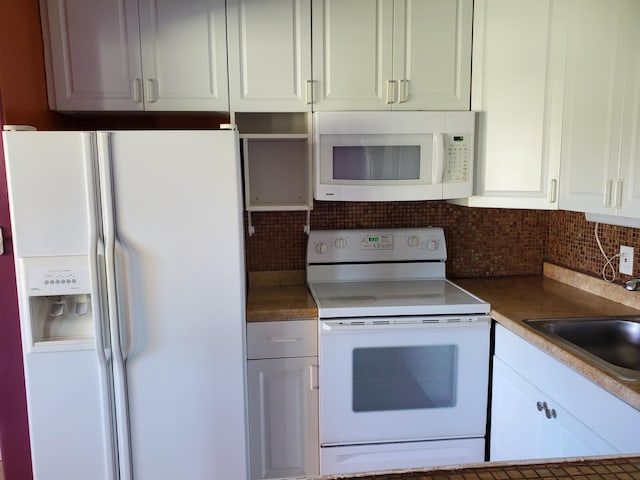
(403, 380)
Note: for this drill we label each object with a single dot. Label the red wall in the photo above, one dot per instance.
(23, 101)
(22, 75)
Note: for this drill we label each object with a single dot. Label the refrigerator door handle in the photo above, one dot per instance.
(96, 250)
(119, 368)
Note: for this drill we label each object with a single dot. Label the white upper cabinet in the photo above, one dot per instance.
(629, 169)
(184, 54)
(93, 54)
(130, 55)
(432, 54)
(269, 45)
(600, 140)
(518, 69)
(352, 54)
(391, 54)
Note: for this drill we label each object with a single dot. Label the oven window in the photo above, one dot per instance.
(383, 162)
(404, 378)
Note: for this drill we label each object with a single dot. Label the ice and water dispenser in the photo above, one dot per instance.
(59, 302)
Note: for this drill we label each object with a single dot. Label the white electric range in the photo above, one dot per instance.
(403, 352)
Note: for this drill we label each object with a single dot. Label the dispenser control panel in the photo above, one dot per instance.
(57, 278)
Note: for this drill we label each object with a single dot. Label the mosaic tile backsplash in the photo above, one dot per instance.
(572, 243)
(481, 242)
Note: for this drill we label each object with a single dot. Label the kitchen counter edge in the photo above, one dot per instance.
(515, 299)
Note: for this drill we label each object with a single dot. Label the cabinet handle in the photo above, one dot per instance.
(309, 92)
(313, 377)
(619, 193)
(152, 91)
(553, 191)
(404, 91)
(548, 412)
(607, 193)
(283, 339)
(137, 90)
(391, 91)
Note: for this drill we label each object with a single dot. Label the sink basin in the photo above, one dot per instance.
(613, 343)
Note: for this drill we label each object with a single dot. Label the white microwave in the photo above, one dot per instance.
(390, 156)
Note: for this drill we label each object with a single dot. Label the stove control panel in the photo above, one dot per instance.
(385, 245)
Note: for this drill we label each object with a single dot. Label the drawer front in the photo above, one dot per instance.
(291, 338)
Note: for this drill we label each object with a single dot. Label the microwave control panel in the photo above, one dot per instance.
(457, 157)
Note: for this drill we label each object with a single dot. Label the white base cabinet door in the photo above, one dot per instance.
(283, 417)
(541, 408)
(527, 424)
(282, 390)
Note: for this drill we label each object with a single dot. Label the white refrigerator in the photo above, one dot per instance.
(130, 268)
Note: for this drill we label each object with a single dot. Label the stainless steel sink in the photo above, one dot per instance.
(613, 343)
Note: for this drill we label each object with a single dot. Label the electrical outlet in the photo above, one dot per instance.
(626, 260)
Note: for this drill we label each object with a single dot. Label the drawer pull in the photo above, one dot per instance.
(313, 377)
(283, 339)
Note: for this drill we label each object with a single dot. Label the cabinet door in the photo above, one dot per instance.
(629, 171)
(432, 54)
(269, 55)
(283, 417)
(352, 54)
(517, 428)
(593, 106)
(184, 54)
(93, 54)
(527, 424)
(518, 59)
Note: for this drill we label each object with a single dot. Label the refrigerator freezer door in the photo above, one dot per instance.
(179, 264)
(67, 373)
(46, 172)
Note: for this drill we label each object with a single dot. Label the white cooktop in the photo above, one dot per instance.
(394, 297)
(393, 272)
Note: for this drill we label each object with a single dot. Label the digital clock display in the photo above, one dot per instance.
(376, 242)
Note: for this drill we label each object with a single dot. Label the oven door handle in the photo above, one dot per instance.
(482, 321)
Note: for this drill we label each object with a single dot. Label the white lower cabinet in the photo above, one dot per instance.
(282, 388)
(541, 408)
(529, 424)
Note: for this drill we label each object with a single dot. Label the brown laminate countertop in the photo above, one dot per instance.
(515, 299)
(280, 302)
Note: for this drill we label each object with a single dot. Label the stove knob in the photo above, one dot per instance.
(413, 241)
(432, 245)
(321, 248)
(341, 242)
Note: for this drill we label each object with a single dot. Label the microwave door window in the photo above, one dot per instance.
(376, 162)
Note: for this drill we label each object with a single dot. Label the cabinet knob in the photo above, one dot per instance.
(548, 412)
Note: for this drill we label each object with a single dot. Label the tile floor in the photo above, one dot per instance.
(622, 468)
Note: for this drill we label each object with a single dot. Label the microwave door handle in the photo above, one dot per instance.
(438, 159)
